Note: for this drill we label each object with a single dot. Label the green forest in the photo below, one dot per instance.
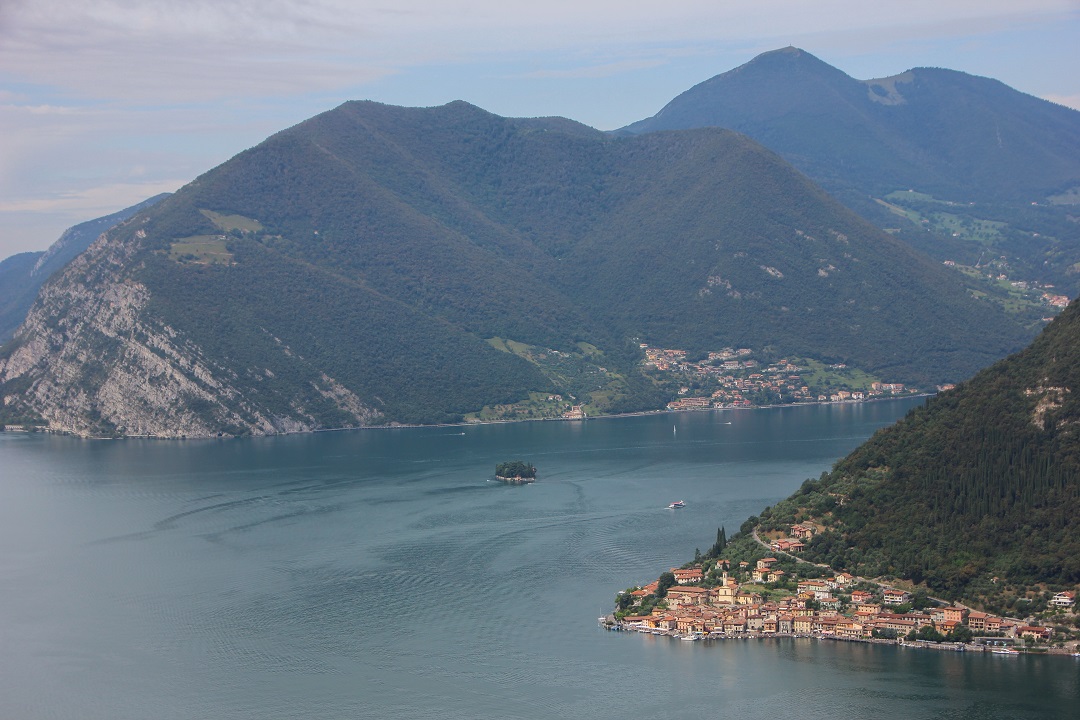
(976, 494)
(381, 247)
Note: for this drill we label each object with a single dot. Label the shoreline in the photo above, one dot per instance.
(400, 426)
(619, 626)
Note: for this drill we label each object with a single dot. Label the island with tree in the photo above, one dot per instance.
(515, 471)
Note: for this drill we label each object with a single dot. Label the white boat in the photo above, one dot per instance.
(1005, 651)
(676, 504)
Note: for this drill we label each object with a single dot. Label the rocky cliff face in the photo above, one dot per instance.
(93, 360)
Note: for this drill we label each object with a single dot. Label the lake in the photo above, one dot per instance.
(384, 574)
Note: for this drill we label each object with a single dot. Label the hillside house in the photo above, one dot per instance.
(891, 596)
(1064, 599)
(859, 597)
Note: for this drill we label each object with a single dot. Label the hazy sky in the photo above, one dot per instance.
(106, 102)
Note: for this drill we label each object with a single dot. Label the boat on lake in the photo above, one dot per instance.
(676, 504)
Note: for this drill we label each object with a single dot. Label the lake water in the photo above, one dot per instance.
(381, 574)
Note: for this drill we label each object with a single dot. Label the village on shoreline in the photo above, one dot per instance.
(719, 599)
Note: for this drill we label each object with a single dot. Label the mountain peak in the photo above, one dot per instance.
(767, 86)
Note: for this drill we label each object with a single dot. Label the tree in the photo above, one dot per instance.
(929, 632)
(721, 543)
(960, 633)
(667, 579)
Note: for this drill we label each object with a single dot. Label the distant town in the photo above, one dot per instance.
(779, 595)
(732, 377)
(724, 378)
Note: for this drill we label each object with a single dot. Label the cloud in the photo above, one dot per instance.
(200, 50)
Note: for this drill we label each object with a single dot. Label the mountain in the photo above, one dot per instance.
(976, 494)
(992, 169)
(22, 275)
(378, 264)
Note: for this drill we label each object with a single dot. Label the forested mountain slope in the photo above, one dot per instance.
(975, 491)
(352, 269)
(995, 172)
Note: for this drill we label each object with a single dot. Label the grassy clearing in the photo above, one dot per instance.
(228, 223)
(987, 232)
(902, 212)
(823, 378)
(577, 377)
(1069, 197)
(201, 249)
(912, 195)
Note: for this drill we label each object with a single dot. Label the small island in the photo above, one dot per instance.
(516, 472)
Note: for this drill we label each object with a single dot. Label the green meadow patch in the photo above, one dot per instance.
(228, 223)
(202, 249)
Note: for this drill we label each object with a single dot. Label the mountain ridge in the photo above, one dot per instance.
(961, 167)
(22, 275)
(351, 270)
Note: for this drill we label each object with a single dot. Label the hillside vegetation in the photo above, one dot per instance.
(353, 269)
(975, 494)
(975, 150)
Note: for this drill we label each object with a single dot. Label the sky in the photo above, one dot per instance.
(104, 103)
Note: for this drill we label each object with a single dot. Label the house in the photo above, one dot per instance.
(787, 545)
(850, 629)
(802, 531)
(1064, 599)
(812, 586)
(824, 625)
(765, 563)
(843, 579)
(891, 596)
(776, 575)
(829, 603)
(1034, 632)
(896, 623)
(688, 595)
(860, 597)
(977, 621)
(689, 575)
(734, 626)
(953, 614)
(946, 614)
(576, 412)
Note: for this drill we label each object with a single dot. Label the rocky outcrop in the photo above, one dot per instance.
(91, 359)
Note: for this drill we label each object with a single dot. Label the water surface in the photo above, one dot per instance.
(382, 574)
